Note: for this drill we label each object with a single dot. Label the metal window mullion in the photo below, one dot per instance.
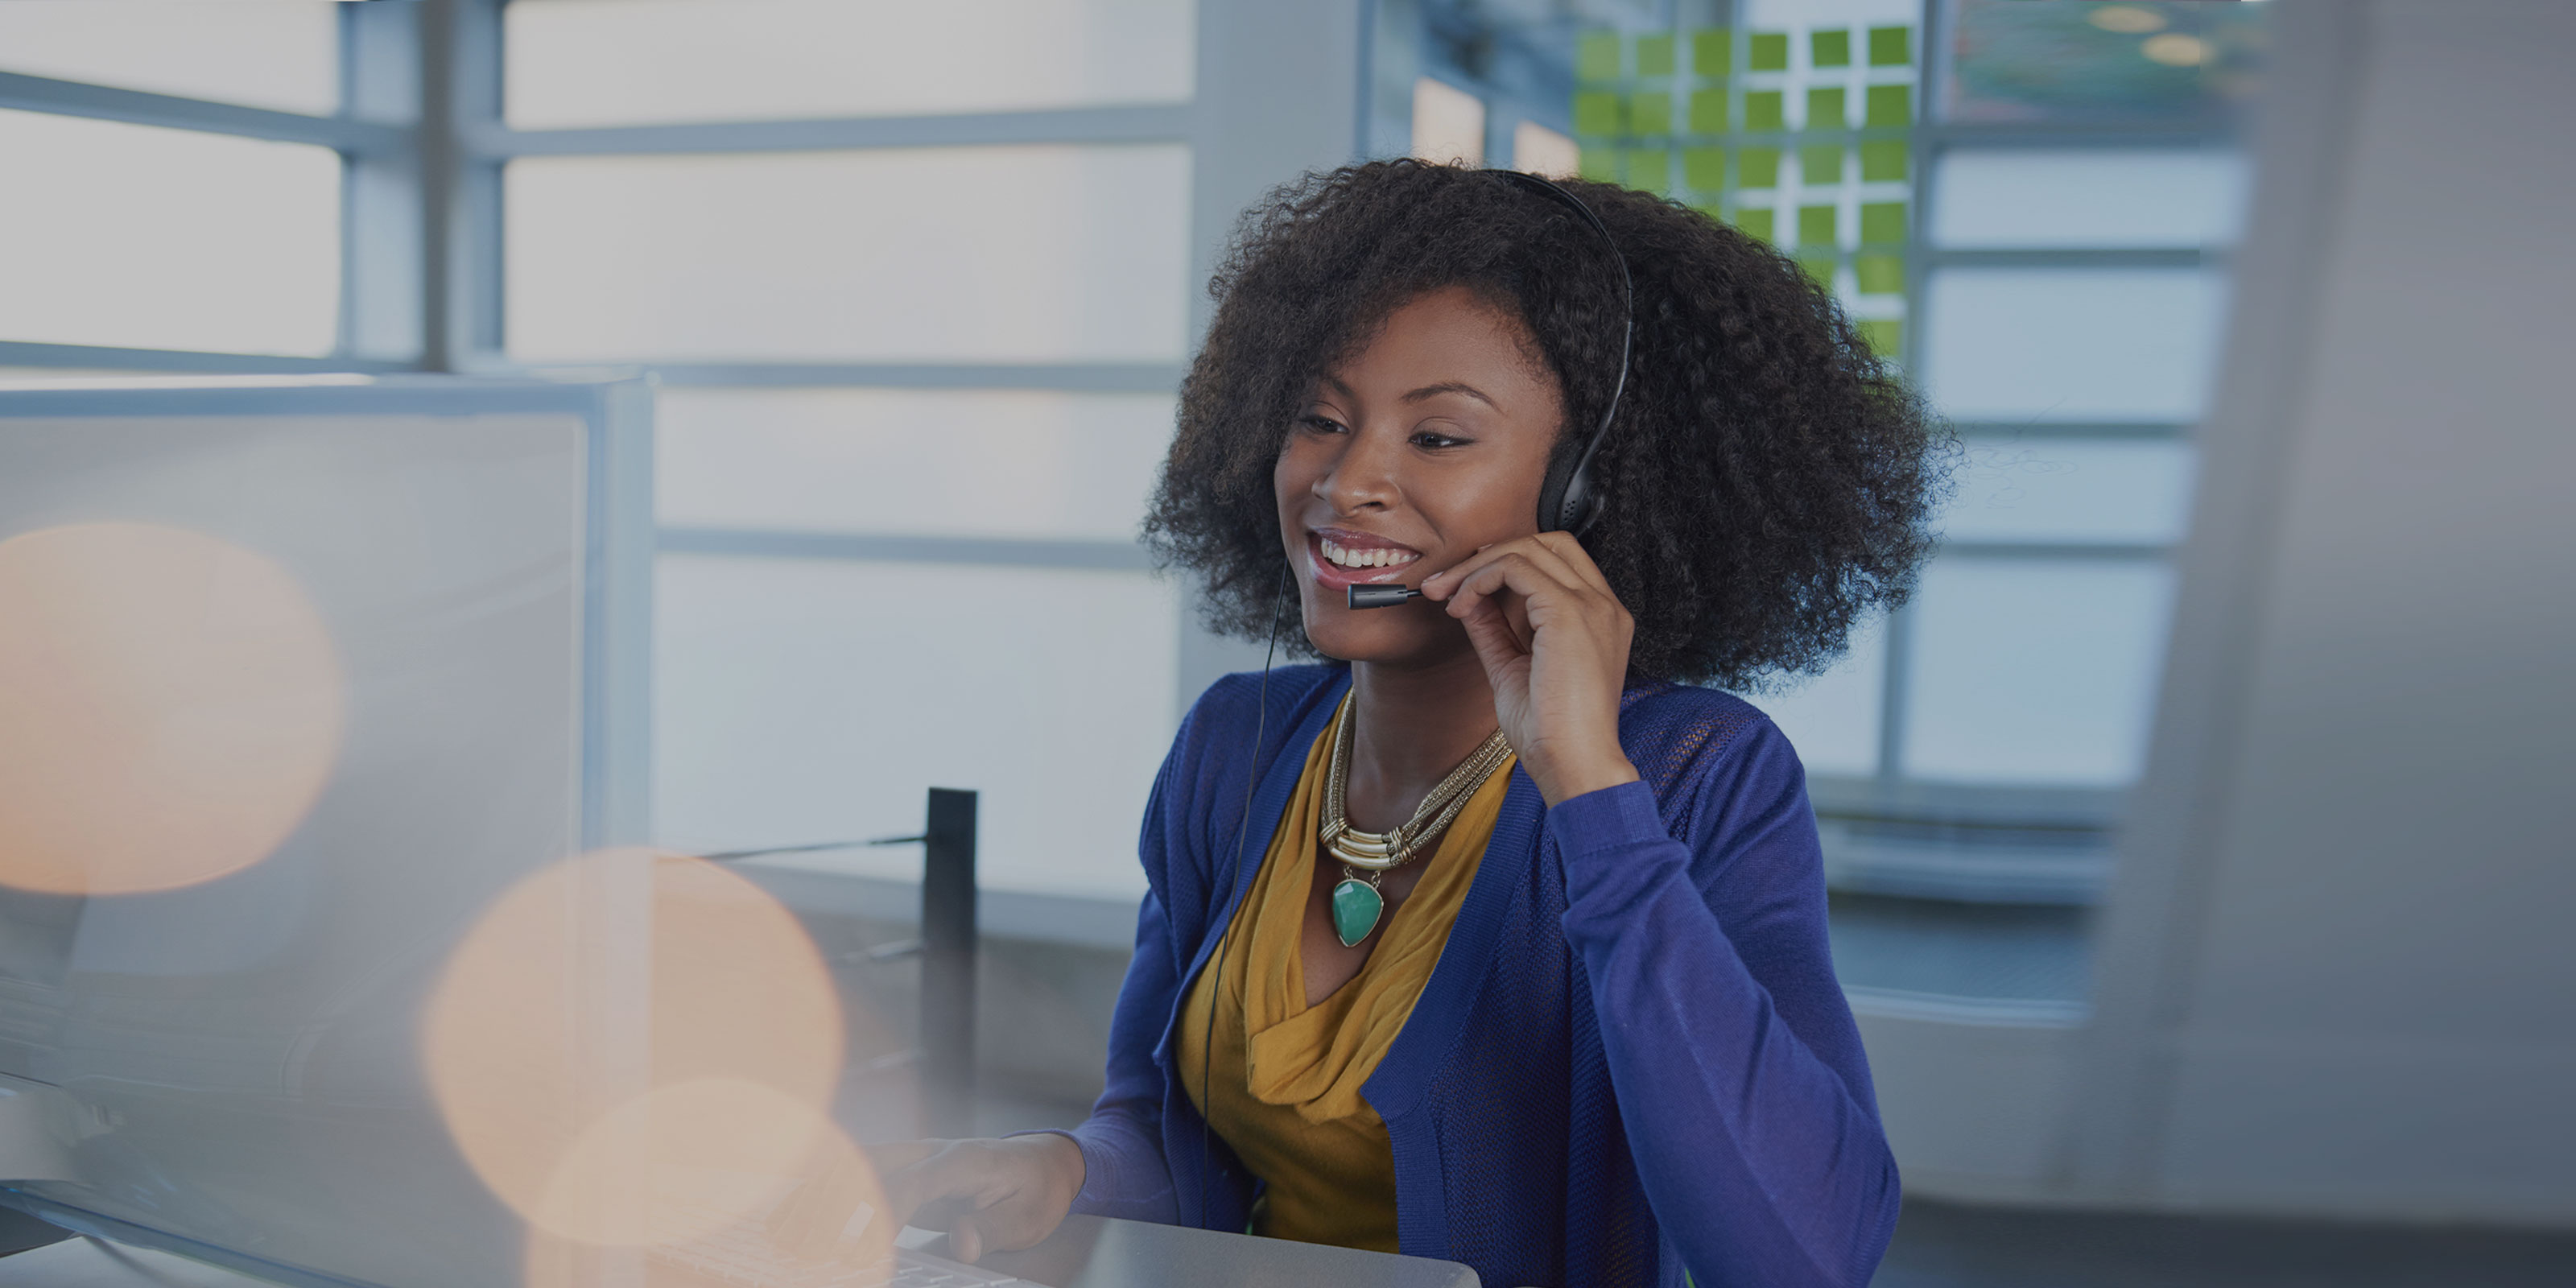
(1154, 123)
(23, 353)
(460, 191)
(138, 107)
(1896, 678)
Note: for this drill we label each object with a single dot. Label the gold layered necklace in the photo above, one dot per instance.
(1357, 903)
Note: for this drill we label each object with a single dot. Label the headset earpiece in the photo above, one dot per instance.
(1570, 499)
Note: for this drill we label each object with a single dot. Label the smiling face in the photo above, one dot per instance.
(1429, 442)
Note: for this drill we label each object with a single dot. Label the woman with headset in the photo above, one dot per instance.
(1525, 963)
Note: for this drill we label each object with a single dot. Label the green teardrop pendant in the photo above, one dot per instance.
(1355, 910)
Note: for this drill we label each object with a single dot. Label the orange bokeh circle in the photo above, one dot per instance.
(603, 1009)
(171, 706)
(677, 1181)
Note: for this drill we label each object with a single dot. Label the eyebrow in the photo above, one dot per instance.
(1451, 387)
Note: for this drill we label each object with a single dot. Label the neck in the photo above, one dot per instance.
(1412, 724)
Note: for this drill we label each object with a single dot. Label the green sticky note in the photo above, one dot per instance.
(1600, 165)
(1882, 223)
(1883, 160)
(1713, 52)
(1816, 226)
(1756, 222)
(1829, 49)
(1819, 267)
(1884, 336)
(1650, 170)
(1825, 110)
(1596, 111)
(1708, 111)
(1596, 56)
(1765, 109)
(1880, 274)
(1820, 164)
(1770, 51)
(1655, 54)
(1704, 169)
(1891, 46)
(1757, 168)
(1891, 106)
(1650, 113)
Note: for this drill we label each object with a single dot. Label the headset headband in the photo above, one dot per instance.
(1570, 500)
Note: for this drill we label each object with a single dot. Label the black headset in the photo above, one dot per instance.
(1570, 499)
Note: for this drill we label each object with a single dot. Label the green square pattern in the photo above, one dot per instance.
(1757, 168)
(1825, 110)
(1650, 113)
(1713, 52)
(1757, 222)
(1891, 46)
(1880, 274)
(1596, 56)
(1596, 111)
(1820, 164)
(1704, 169)
(1882, 223)
(1816, 227)
(1885, 336)
(1655, 54)
(1600, 165)
(1765, 110)
(1708, 111)
(1820, 267)
(1829, 49)
(1891, 106)
(1770, 52)
(1650, 170)
(1882, 160)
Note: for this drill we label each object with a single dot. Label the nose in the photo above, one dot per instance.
(1365, 474)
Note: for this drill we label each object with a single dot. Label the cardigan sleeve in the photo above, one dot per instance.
(1738, 1069)
(1123, 1170)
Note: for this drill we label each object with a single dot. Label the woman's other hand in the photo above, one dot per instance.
(1554, 643)
(987, 1194)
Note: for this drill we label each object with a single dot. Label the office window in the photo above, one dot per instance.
(916, 281)
(802, 700)
(626, 62)
(143, 237)
(2030, 198)
(279, 54)
(2073, 343)
(1010, 463)
(2036, 672)
(994, 254)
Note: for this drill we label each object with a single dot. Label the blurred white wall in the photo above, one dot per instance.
(2334, 971)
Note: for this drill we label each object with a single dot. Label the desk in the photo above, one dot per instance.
(1085, 1252)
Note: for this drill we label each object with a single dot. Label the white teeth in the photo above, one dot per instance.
(1377, 557)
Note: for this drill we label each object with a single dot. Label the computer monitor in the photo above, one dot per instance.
(398, 626)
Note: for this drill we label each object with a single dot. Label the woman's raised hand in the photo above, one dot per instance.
(1554, 641)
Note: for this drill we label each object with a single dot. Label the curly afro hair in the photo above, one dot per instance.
(1768, 482)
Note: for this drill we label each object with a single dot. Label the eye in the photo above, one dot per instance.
(1320, 425)
(1432, 440)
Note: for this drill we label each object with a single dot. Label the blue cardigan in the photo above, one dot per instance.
(1632, 1060)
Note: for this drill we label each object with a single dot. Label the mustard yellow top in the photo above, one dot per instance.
(1285, 1083)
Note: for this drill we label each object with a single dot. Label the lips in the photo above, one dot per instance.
(1340, 557)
